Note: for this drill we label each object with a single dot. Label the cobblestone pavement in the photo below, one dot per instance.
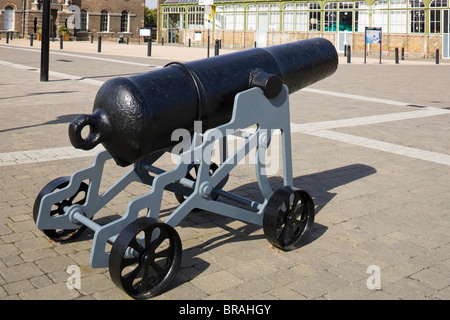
(371, 144)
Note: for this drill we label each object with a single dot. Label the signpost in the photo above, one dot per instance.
(209, 11)
(372, 35)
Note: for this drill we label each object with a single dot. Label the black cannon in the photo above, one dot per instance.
(244, 95)
(134, 117)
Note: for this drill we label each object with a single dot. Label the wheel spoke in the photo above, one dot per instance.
(128, 279)
(295, 202)
(134, 244)
(166, 253)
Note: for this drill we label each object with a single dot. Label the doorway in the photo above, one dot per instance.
(261, 31)
(446, 35)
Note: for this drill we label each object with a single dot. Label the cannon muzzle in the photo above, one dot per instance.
(134, 117)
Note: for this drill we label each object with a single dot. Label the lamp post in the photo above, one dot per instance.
(45, 45)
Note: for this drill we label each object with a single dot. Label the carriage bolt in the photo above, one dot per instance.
(205, 189)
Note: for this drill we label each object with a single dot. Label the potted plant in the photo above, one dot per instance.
(64, 32)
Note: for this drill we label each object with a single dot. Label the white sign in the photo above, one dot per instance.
(205, 2)
(145, 32)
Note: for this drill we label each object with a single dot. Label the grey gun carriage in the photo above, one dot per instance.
(134, 118)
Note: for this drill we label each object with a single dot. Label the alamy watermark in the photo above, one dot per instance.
(263, 148)
(374, 280)
(74, 21)
(74, 280)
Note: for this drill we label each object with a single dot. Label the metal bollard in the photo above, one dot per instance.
(345, 50)
(31, 40)
(437, 56)
(403, 53)
(149, 47)
(162, 41)
(216, 48)
(396, 55)
(92, 38)
(61, 41)
(255, 44)
(99, 49)
(189, 43)
(7, 37)
(128, 40)
(12, 35)
(349, 53)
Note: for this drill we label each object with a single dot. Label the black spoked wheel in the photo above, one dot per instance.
(79, 197)
(192, 175)
(288, 218)
(145, 258)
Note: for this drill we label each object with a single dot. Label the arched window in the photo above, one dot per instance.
(84, 20)
(8, 19)
(104, 21)
(124, 21)
(436, 15)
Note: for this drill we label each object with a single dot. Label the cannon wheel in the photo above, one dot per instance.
(288, 217)
(79, 197)
(192, 175)
(145, 258)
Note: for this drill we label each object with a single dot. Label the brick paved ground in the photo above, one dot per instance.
(379, 179)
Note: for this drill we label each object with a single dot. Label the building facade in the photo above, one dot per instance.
(418, 26)
(110, 18)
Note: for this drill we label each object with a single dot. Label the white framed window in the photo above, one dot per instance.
(9, 18)
(104, 21)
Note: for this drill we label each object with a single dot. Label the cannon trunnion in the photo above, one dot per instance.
(244, 95)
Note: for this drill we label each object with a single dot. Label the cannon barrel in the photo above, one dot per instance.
(134, 117)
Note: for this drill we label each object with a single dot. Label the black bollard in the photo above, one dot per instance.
(7, 37)
(31, 40)
(396, 55)
(61, 41)
(162, 41)
(99, 44)
(437, 56)
(403, 53)
(12, 35)
(149, 47)
(189, 43)
(345, 50)
(349, 53)
(255, 44)
(216, 48)
(92, 38)
(128, 40)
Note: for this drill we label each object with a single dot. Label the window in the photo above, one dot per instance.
(397, 21)
(8, 19)
(251, 17)
(104, 21)
(274, 17)
(84, 20)
(416, 17)
(330, 17)
(314, 16)
(361, 16)
(239, 20)
(380, 17)
(124, 22)
(288, 17)
(436, 15)
(196, 17)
